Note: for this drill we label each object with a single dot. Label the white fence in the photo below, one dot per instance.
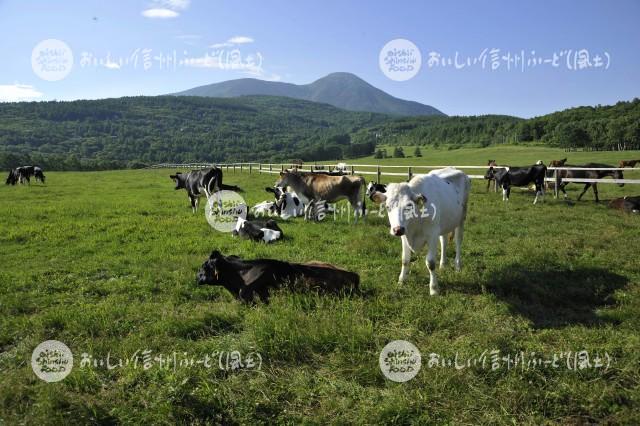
(409, 172)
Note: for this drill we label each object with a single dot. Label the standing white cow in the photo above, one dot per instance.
(429, 207)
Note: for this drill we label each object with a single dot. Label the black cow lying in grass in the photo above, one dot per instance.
(258, 230)
(626, 204)
(246, 278)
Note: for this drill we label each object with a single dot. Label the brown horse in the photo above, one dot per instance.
(628, 163)
(557, 163)
(586, 174)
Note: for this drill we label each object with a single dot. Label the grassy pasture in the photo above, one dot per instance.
(106, 263)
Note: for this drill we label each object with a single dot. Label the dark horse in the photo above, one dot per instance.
(586, 174)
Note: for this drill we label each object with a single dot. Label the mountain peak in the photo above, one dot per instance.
(340, 89)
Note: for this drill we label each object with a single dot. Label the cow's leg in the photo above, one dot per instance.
(586, 187)
(443, 250)
(406, 260)
(595, 191)
(539, 193)
(431, 264)
(505, 193)
(459, 233)
(194, 203)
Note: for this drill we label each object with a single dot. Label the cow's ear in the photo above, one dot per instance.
(420, 199)
(268, 189)
(174, 177)
(215, 255)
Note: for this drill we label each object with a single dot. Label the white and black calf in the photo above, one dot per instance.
(506, 177)
(427, 208)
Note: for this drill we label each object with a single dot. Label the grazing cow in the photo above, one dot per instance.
(375, 188)
(314, 187)
(586, 174)
(626, 204)
(628, 163)
(267, 231)
(507, 177)
(424, 210)
(201, 182)
(557, 163)
(245, 278)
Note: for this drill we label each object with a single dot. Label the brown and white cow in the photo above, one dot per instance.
(314, 187)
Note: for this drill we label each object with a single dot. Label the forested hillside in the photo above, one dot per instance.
(133, 131)
(614, 127)
(136, 131)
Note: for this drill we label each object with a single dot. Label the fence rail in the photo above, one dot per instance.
(411, 170)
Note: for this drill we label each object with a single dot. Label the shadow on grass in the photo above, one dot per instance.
(553, 296)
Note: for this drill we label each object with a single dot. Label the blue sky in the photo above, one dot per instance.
(300, 41)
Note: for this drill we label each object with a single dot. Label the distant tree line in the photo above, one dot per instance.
(133, 132)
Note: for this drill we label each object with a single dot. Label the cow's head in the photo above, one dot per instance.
(403, 206)
(373, 189)
(490, 174)
(210, 272)
(12, 178)
(179, 179)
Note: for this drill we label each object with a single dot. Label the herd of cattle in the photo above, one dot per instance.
(427, 209)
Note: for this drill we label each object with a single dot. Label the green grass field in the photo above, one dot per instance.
(106, 261)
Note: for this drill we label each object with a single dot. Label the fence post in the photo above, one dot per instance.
(555, 183)
(282, 167)
(259, 168)
(409, 173)
(234, 167)
(250, 168)
(352, 170)
(270, 167)
(379, 174)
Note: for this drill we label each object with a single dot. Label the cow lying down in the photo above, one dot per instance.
(267, 231)
(626, 204)
(247, 278)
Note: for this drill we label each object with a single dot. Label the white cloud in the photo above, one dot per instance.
(240, 40)
(112, 65)
(18, 92)
(164, 9)
(160, 13)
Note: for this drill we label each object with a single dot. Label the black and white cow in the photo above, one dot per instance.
(201, 182)
(267, 231)
(506, 177)
(375, 188)
(24, 174)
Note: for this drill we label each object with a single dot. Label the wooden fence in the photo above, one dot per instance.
(377, 170)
